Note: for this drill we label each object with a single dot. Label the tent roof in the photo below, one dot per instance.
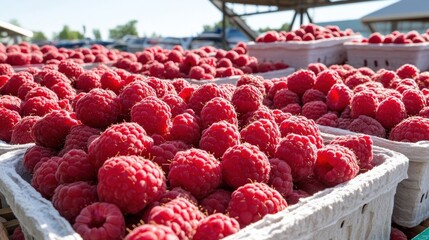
(295, 4)
(13, 30)
(402, 10)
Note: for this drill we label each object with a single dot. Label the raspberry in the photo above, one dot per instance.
(163, 153)
(88, 81)
(99, 108)
(185, 127)
(314, 110)
(295, 196)
(254, 80)
(262, 133)
(301, 126)
(64, 91)
(216, 202)
(176, 104)
(78, 138)
(71, 69)
(280, 116)
(75, 166)
(134, 93)
(335, 164)
(367, 125)
(153, 115)
(21, 132)
(364, 103)
(244, 163)
(18, 58)
(361, 145)
(216, 226)
(52, 129)
(423, 113)
(41, 92)
(38, 106)
(125, 174)
(284, 97)
(251, 202)
(53, 77)
(217, 138)
(310, 185)
(216, 110)
(396, 234)
(160, 86)
(120, 139)
(179, 84)
(195, 171)
(8, 120)
(277, 86)
(407, 71)
(313, 95)
(300, 81)
(422, 80)
(179, 214)
(294, 109)
(356, 79)
(386, 77)
(176, 193)
(152, 231)
(366, 71)
(70, 198)
(390, 112)
(204, 94)
(414, 101)
(100, 221)
(18, 234)
(325, 80)
(338, 97)
(36, 155)
(6, 69)
(15, 82)
(25, 88)
(316, 67)
(280, 177)
(412, 129)
(44, 180)
(329, 119)
(112, 81)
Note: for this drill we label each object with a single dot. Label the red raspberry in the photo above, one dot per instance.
(124, 174)
(254, 80)
(314, 110)
(412, 129)
(152, 231)
(163, 153)
(299, 153)
(414, 101)
(216, 226)
(134, 93)
(338, 97)
(423, 113)
(36, 155)
(325, 80)
(301, 126)
(366, 71)
(316, 67)
(112, 81)
(329, 119)
(39, 106)
(295, 196)
(204, 94)
(300, 81)
(280, 116)
(78, 138)
(195, 171)
(277, 86)
(422, 80)
(284, 97)
(71, 69)
(18, 234)
(217, 138)
(41, 92)
(64, 91)
(8, 120)
(44, 180)
(280, 177)
(116, 141)
(246, 98)
(251, 202)
(216, 202)
(100, 221)
(70, 198)
(390, 112)
(310, 185)
(179, 84)
(52, 129)
(386, 77)
(313, 95)
(185, 127)
(6, 69)
(161, 87)
(179, 214)
(364, 103)
(262, 113)
(262, 133)
(216, 110)
(3, 80)
(88, 81)
(99, 108)
(21, 132)
(176, 104)
(396, 234)
(367, 125)
(25, 88)
(361, 145)
(407, 71)
(53, 77)
(75, 166)
(356, 79)
(18, 58)
(335, 164)
(244, 163)
(15, 82)
(153, 115)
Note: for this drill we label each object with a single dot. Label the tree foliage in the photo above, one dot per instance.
(97, 34)
(215, 27)
(121, 31)
(38, 36)
(68, 34)
(283, 27)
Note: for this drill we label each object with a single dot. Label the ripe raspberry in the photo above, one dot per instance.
(314, 110)
(254, 80)
(396, 234)
(99, 108)
(17, 234)
(21, 132)
(185, 127)
(70, 198)
(100, 221)
(88, 81)
(161, 87)
(204, 94)
(44, 180)
(53, 77)
(251, 202)
(78, 138)
(414, 101)
(390, 112)
(176, 104)
(356, 79)
(6, 69)
(277, 86)
(39, 106)
(407, 71)
(75, 166)
(116, 141)
(179, 214)
(316, 67)
(423, 113)
(195, 171)
(301, 126)
(284, 97)
(179, 84)
(15, 82)
(8, 120)
(335, 164)
(216, 110)
(295, 196)
(280, 177)
(412, 129)
(338, 97)
(310, 185)
(246, 98)
(280, 116)
(325, 80)
(216, 202)
(11, 102)
(217, 138)
(112, 81)
(422, 80)
(216, 226)
(262, 133)
(294, 109)
(36, 155)
(385, 77)
(134, 93)
(64, 91)
(300, 81)
(367, 125)
(163, 153)
(313, 95)
(151, 231)
(153, 115)
(262, 113)
(41, 92)
(361, 145)
(71, 69)
(243, 164)
(126, 173)
(364, 103)
(329, 119)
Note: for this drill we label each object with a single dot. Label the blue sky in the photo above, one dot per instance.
(178, 18)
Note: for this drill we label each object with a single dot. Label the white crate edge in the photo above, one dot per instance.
(327, 42)
(6, 147)
(322, 215)
(411, 200)
(34, 213)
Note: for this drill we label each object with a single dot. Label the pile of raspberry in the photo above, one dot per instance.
(397, 37)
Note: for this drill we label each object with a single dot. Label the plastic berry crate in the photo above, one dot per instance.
(412, 197)
(358, 209)
(388, 56)
(6, 147)
(300, 54)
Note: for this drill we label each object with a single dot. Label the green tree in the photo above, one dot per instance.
(38, 36)
(15, 22)
(283, 27)
(121, 31)
(68, 34)
(97, 34)
(218, 25)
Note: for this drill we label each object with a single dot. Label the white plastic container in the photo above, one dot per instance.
(388, 56)
(6, 147)
(411, 199)
(300, 54)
